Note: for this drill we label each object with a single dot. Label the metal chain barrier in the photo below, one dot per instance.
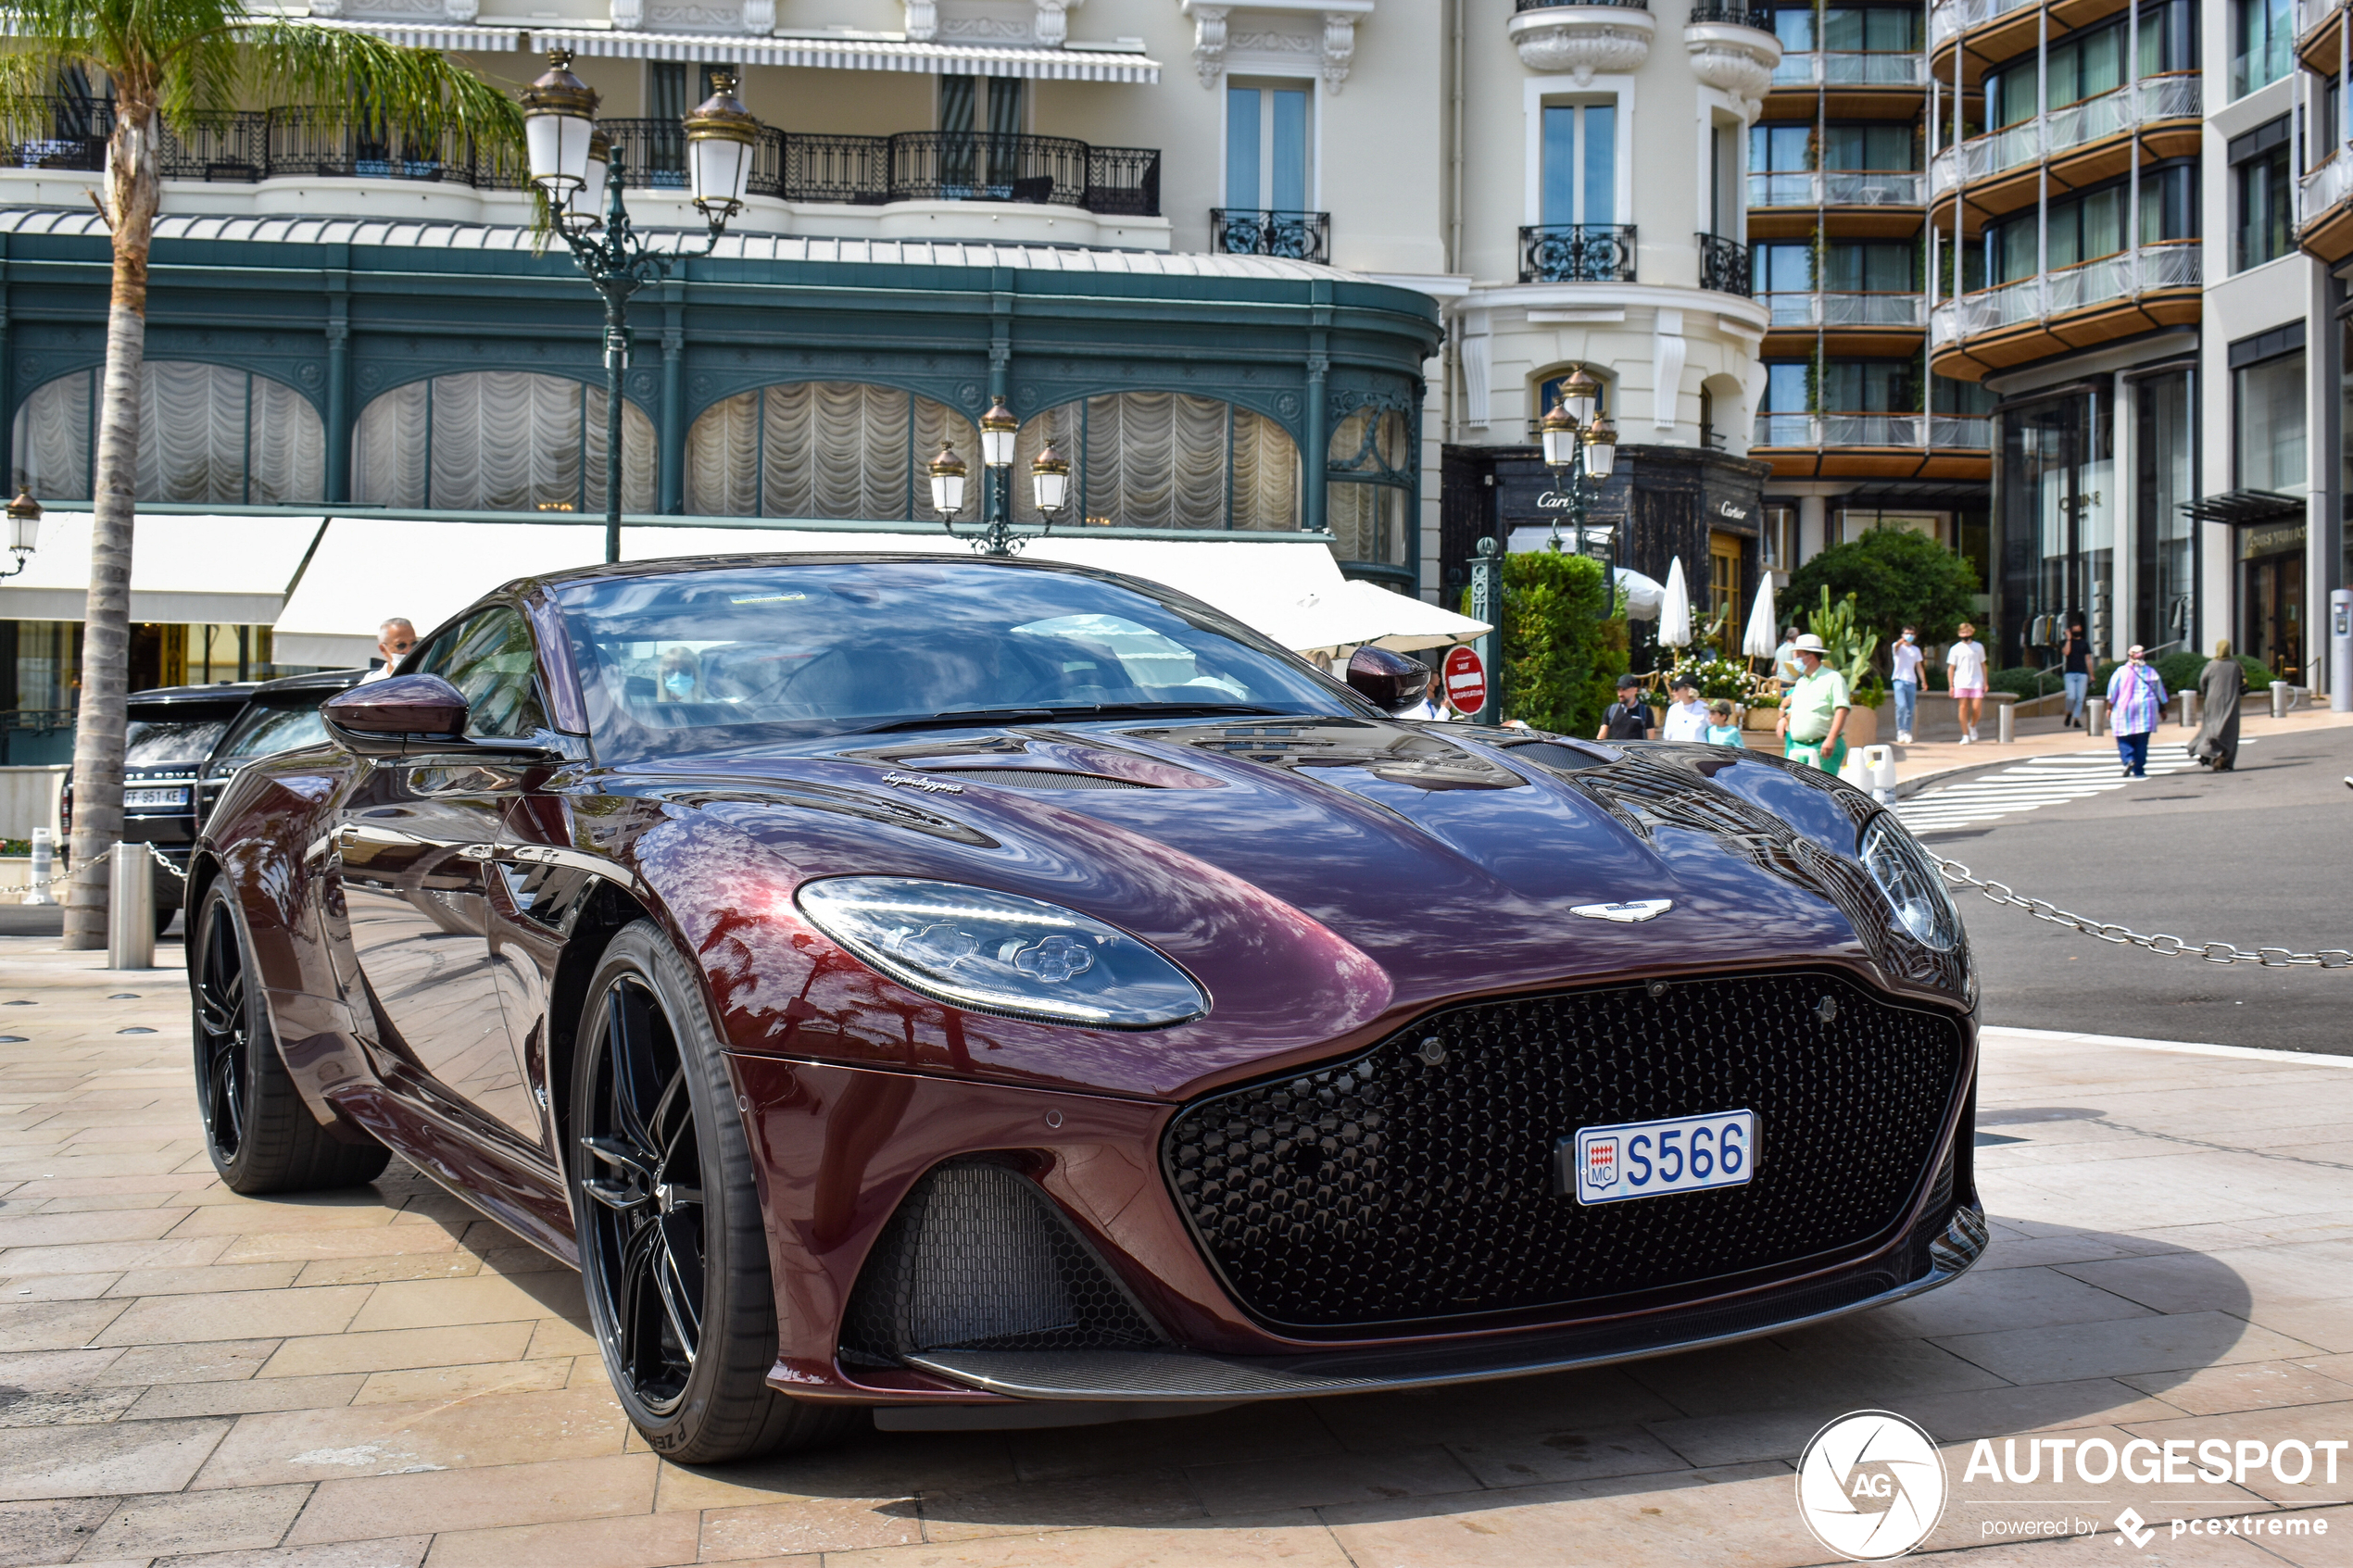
(161, 858)
(2161, 943)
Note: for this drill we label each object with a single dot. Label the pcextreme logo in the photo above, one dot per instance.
(1870, 1486)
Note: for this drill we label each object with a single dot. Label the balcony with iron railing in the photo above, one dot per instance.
(1296, 236)
(1852, 68)
(1838, 187)
(2073, 307)
(1577, 253)
(1956, 432)
(1832, 309)
(1724, 265)
(2174, 97)
(248, 147)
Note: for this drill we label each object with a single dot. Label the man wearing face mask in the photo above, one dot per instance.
(680, 674)
(393, 639)
(1906, 683)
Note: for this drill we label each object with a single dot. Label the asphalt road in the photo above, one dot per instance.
(2260, 856)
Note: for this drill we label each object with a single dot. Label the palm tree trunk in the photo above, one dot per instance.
(133, 193)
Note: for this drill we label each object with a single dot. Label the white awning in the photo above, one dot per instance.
(223, 570)
(430, 35)
(1036, 61)
(368, 569)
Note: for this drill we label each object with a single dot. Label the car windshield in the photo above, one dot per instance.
(160, 743)
(265, 732)
(730, 656)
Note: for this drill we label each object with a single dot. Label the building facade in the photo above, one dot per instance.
(2146, 200)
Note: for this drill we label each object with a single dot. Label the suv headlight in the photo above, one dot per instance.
(1001, 953)
(1914, 887)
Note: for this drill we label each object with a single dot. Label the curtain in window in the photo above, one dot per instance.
(1368, 521)
(207, 434)
(497, 440)
(821, 449)
(1156, 459)
(51, 439)
(1173, 466)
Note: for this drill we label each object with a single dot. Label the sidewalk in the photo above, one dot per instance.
(2043, 737)
(381, 1378)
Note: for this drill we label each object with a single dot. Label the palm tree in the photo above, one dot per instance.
(165, 62)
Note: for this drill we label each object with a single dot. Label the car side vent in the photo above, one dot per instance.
(1036, 778)
(979, 1258)
(1553, 755)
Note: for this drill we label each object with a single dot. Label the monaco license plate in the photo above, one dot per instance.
(148, 799)
(1652, 1159)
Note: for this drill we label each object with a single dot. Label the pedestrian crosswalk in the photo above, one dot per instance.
(2041, 781)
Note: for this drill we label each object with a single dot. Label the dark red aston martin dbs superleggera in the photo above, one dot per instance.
(996, 993)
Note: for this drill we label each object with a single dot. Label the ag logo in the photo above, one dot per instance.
(1870, 1486)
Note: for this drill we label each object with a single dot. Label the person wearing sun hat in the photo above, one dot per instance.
(1814, 710)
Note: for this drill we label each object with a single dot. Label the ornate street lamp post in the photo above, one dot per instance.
(24, 529)
(573, 164)
(1581, 450)
(1049, 479)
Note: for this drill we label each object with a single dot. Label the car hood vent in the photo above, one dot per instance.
(1033, 778)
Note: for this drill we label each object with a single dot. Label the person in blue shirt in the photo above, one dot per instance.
(1723, 729)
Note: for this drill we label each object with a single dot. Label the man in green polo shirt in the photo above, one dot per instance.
(1814, 710)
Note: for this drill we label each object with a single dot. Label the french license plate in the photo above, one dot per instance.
(135, 799)
(1652, 1159)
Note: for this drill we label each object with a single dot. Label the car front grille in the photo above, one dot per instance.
(1391, 1189)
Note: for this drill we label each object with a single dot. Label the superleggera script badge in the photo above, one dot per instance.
(933, 786)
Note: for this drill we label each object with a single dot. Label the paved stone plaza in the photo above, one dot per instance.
(379, 1377)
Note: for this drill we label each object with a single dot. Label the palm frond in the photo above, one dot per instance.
(419, 91)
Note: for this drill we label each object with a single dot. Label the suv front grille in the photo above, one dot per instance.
(1387, 1189)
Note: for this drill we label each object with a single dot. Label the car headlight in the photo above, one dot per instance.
(1914, 887)
(1001, 953)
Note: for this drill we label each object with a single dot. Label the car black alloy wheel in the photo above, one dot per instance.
(647, 1204)
(673, 1251)
(261, 1136)
(224, 1039)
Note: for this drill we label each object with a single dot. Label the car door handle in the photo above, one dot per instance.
(347, 835)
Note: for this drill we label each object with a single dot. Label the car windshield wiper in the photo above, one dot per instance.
(968, 716)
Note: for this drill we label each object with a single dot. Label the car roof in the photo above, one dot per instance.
(193, 703)
(317, 683)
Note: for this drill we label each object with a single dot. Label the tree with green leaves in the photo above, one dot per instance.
(1897, 578)
(167, 63)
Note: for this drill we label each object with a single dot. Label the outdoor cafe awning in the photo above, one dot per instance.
(1037, 62)
(199, 570)
(366, 569)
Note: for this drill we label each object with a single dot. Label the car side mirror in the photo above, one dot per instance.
(407, 715)
(1390, 681)
(387, 718)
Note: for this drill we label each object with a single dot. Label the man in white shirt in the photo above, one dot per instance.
(1687, 716)
(1908, 660)
(393, 639)
(1965, 673)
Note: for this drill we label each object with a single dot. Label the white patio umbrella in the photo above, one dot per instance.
(1674, 615)
(1760, 642)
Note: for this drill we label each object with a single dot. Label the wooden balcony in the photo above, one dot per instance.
(1843, 324)
(2082, 144)
(1845, 203)
(2324, 208)
(2096, 302)
(1874, 445)
(1988, 31)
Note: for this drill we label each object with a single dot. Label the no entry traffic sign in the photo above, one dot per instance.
(1465, 680)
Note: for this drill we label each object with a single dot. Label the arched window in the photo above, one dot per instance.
(1164, 459)
(821, 449)
(500, 441)
(1370, 496)
(206, 433)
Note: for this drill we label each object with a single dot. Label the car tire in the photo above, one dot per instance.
(261, 1136)
(676, 1276)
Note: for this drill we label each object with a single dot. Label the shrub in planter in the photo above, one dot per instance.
(1562, 655)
